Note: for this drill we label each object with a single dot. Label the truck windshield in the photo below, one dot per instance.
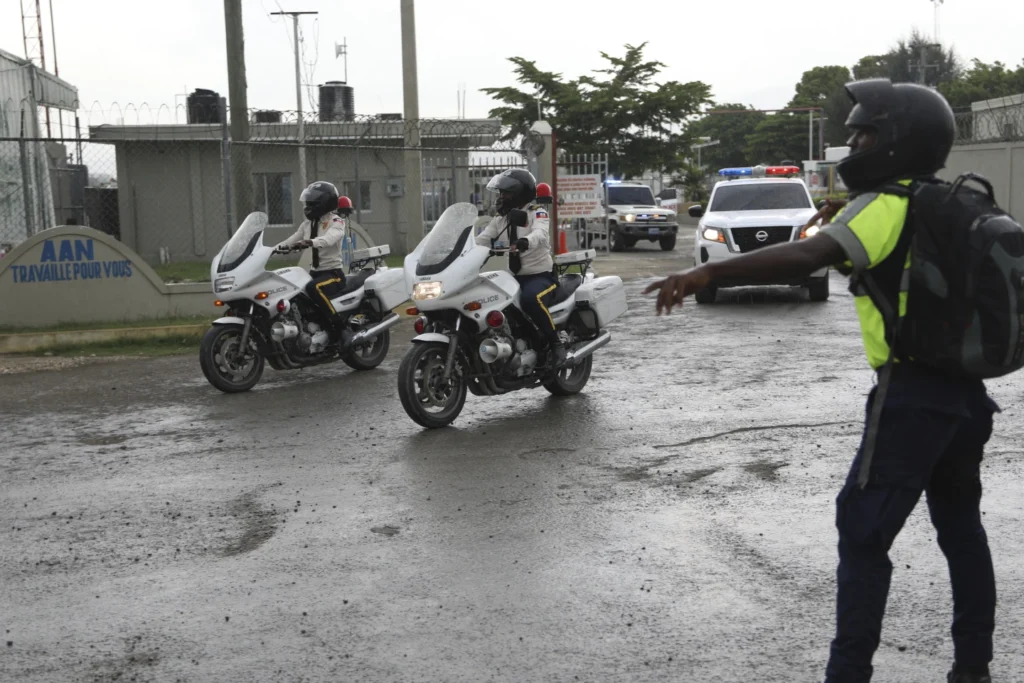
(619, 195)
(760, 197)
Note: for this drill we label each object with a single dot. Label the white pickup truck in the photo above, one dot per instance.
(633, 215)
(753, 208)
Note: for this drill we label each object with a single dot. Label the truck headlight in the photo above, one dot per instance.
(810, 232)
(426, 290)
(629, 217)
(713, 235)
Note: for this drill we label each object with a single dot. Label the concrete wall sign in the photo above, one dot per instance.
(74, 274)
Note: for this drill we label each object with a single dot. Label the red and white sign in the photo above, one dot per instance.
(580, 196)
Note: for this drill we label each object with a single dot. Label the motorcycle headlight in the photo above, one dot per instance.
(426, 290)
(224, 284)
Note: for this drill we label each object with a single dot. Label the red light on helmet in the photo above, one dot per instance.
(420, 325)
(781, 170)
(495, 319)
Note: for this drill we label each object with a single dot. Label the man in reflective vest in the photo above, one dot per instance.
(934, 427)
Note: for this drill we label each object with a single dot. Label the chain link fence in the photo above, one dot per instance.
(161, 179)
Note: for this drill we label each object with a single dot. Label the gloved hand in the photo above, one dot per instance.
(522, 244)
(518, 218)
(304, 244)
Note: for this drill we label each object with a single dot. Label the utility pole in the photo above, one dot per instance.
(937, 3)
(922, 65)
(241, 198)
(298, 95)
(413, 155)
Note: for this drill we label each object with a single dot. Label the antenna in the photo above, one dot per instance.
(937, 3)
(342, 50)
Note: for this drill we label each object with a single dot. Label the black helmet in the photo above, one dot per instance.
(515, 188)
(915, 127)
(318, 200)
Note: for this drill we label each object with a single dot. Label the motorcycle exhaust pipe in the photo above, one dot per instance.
(493, 350)
(280, 331)
(385, 324)
(587, 349)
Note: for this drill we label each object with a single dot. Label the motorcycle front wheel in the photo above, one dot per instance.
(429, 399)
(223, 363)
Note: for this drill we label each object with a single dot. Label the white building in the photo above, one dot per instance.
(26, 198)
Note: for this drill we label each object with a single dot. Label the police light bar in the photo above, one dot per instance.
(782, 170)
(745, 171)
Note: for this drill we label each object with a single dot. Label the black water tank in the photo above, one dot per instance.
(337, 102)
(204, 107)
(266, 116)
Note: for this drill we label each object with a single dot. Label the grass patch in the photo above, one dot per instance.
(199, 271)
(162, 346)
(115, 325)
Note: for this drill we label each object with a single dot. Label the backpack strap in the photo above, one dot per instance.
(890, 310)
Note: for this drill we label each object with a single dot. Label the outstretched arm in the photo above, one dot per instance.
(783, 261)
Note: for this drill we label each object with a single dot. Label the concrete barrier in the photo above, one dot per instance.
(74, 274)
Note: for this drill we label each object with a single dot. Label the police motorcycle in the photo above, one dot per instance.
(472, 334)
(270, 318)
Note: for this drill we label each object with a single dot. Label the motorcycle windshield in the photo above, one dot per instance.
(245, 239)
(447, 238)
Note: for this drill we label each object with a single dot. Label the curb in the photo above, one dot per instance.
(36, 341)
(27, 342)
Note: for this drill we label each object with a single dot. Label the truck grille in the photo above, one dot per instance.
(747, 238)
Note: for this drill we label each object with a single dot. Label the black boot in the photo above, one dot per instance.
(558, 356)
(963, 674)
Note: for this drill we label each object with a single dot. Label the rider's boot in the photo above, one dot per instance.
(961, 674)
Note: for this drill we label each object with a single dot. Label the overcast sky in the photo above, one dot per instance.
(750, 51)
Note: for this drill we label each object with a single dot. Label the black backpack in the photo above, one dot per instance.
(965, 306)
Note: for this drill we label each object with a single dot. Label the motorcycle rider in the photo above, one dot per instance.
(323, 232)
(525, 227)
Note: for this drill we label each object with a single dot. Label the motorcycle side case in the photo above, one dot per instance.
(606, 296)
(389, 287)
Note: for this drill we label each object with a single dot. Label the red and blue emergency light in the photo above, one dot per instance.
(750, 171)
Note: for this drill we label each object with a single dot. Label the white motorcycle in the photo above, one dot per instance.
(270, 318)
(473, 335)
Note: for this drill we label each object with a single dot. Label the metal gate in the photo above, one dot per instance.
(462, 177)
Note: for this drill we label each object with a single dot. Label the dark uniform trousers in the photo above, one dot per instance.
(931, 437)
(325, 285)
(536, 296)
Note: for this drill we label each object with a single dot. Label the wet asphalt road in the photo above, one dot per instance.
(672, 523)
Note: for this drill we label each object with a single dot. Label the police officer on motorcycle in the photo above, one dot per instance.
(525, 228)
(323, 232)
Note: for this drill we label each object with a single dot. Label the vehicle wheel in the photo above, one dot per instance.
(615, 241)
(706, 295)
(630, 242)
(427, 398)
(818, 289)
(571, 379)
(668, 242)
(223, 365)
(369, 356)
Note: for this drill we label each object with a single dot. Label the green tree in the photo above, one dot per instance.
(982, 82)
(620, 109)
(731, 130)
(783, 136)
(825, 86)
(900, 64)
(693, 181)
